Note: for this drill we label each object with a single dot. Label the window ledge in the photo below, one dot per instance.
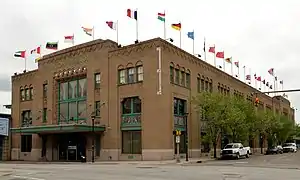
(138, 82)
(172, 83)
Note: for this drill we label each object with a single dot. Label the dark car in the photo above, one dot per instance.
(274, 150)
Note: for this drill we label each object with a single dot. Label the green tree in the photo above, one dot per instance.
(284, 130)
(212, 107)
(238, 117)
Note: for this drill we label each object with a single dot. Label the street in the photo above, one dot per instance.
(283, 166)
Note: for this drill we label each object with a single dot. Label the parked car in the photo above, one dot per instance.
(275, 150)
(235, 150)
(289, 147)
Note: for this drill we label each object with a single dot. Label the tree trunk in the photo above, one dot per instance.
(215, 149)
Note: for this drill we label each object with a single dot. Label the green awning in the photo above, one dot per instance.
(46, 129)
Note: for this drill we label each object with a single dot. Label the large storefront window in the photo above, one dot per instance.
(131, 142)
(72, 100)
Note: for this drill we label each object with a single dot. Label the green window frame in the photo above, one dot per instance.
(131, 105)
(44, 115)
(77, 101)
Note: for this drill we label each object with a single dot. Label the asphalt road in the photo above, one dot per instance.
(271, 167)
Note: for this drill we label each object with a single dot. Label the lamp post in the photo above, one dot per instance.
(93, 137)
(261, 144)
(186, 138)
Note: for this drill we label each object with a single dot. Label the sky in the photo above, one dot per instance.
(259, 34)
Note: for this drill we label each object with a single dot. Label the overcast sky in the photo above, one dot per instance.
(259, 34)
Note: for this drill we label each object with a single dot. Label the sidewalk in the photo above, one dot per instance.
(149, 163)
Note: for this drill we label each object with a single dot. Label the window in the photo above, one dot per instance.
(182, 78)
(22, 94)
(198, 85)
(30, 93)
(179, 106)
(26, 118)
(171, 74)
(202, 85)
(188, 80)
(176, 76)
(131, 72)
(140, 73)
(97, 80)
(131, 142)
(210, 87)
(45, 89)
(122, 76)
(45, 115)
(72, 100)
(98, 144)
(26, 143)
(97, 108)
(206, 86)
(27, 94)
(131, 105)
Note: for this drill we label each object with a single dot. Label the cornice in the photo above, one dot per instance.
(23, 76)
(134, 48)
(77, 50)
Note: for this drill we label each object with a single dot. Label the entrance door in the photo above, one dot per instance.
(72, 153)
(71, 146)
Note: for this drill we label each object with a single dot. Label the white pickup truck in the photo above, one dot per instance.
(235, 150)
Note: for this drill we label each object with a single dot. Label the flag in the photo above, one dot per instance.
(112, 25)
(264, 81)
(267, 84)
(271, 87)
(212, 50)
(161, 16)
(237, 64)
(132, 13)
(281, 82)
(220, 54)
(20, 54)
(255, 75)
(258, 78)
(69, 39)
(271, 71)
(36, 50)
(191, 35)
(176, 26)
(37, 59)
(52, 45)
(228, 60)
(248, 77)
(88, 31)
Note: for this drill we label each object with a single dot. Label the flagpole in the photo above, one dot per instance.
(224, 62)
(255, 83)
(204, 49)
(231, 69)
(215, 61)
(25, 61)
(137, 26)
(193, 42)
(238, 69)
(180, 36)
(73, 39)
(165, 33)
(117, 32)
(93, 33)
(260, 85)
(244, 73)
(250, 76)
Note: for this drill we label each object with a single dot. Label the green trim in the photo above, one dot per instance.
(137, 128)
(179, 128)
(57, 129)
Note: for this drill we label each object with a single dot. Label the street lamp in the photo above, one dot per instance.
(93, 135)
(186, 138)
(261, 144)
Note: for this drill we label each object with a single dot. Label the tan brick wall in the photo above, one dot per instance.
(157, 110)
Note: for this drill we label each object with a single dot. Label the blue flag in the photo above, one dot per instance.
(191, 35)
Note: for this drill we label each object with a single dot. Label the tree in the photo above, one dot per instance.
(237, 119)
(284, 130)
(212, 107)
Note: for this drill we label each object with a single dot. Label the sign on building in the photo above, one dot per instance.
(4, 126)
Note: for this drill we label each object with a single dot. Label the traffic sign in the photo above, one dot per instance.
(177, 139)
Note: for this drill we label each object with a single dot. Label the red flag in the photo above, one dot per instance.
(36, 50)
(248, 77)
(212, 50)
(271, 71)
(258, 78)
(237, 64)
(220, 55)
(112, 25)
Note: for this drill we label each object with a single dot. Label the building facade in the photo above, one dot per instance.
(117, 97)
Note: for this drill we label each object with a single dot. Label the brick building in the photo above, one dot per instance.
(136, 107)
